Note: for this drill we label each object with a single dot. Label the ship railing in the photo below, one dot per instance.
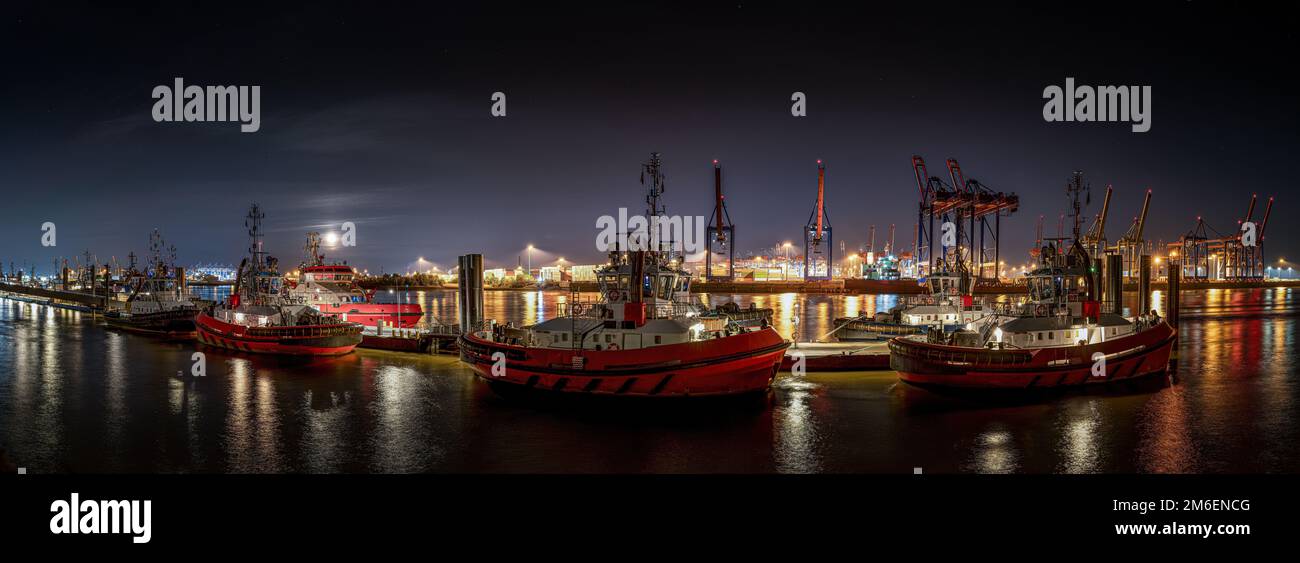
(982, 357)
(307, 331)
(1006, 309)
(592, 308)
(580, 308)
(455, 329)
(914, 300)
(671, 310)
(444, 329)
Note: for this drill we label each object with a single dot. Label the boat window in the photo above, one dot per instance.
(665, 287)
(659, 339)
(1051, 335)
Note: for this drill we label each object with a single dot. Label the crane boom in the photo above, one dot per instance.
(922, 176)
(1142, 219)
(717, 194)
(1262, 224)
(1101, 220)
(954, 172)
(821, 196)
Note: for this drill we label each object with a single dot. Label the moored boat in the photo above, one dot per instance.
(948, 306)
(157, 303)
(259, 317)
(332, 289)
(642, 338)
(1060, 337)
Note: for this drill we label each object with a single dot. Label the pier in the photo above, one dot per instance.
(86, 299)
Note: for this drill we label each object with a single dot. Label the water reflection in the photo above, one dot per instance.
(795, 426)
(994, 451)
(1079, 438)
(77, 397)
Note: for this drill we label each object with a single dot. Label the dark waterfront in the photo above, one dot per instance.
(75, 397)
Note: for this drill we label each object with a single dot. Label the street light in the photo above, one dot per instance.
(785, 272)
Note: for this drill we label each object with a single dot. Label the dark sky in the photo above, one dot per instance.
(379, 114)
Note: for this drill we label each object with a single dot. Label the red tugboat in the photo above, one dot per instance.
(332, 289)
(644, 338)
(1058, 338)
(259, 317)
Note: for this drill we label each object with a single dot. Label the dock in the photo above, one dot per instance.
(432, 340)
(838, 356)
(85, 299)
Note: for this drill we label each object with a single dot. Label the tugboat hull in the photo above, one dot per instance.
(317, 340)
(734, 365)
(951, 367)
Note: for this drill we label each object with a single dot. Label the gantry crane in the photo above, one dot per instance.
(968, 205)
(818, 246)
(1207, 254)
(721, 234)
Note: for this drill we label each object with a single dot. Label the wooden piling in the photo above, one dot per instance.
(1144, 284)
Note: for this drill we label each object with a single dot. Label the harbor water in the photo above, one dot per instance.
(77, 397)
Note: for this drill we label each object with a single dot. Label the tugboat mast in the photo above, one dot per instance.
(1073, 189)
(253, 221)
(312, 249)
(654, 205)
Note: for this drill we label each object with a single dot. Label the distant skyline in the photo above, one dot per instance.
(382, 118)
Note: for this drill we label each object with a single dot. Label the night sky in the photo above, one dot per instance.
(379, 115)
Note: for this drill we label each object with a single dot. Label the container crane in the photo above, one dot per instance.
(721, 235)
(819, 249)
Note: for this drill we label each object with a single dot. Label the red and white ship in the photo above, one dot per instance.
(644, 338)
(332, 289)
(1059, 337)
(260, 317)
